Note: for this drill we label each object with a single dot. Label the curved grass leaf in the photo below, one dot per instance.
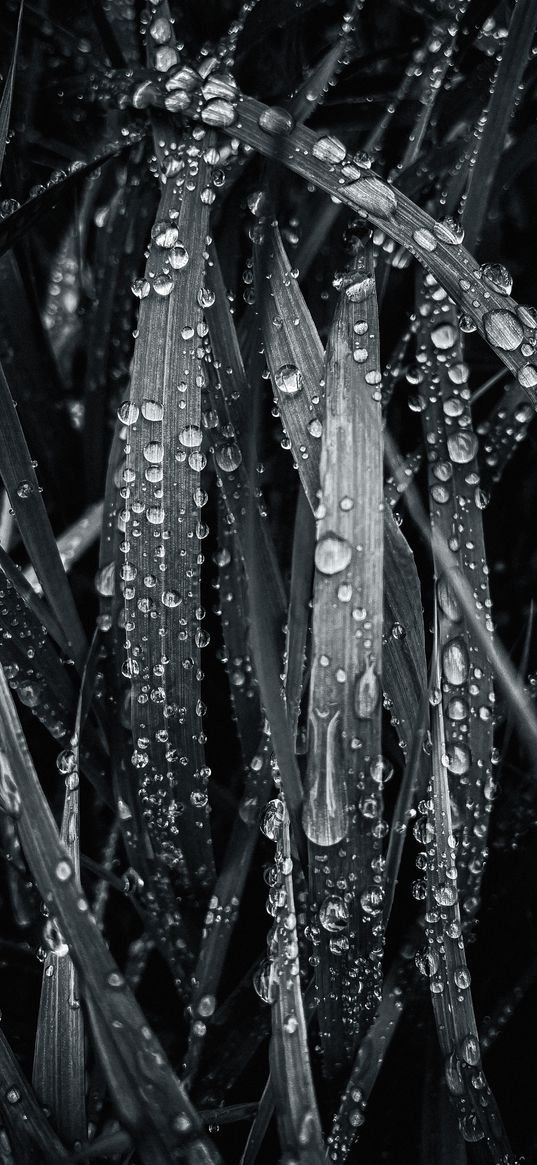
(497, 316)
(7, 92)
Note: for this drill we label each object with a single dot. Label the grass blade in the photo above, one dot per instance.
(7, 92)
(132, 1058)
(342, 801)
(163, 464)
(31, 1138)
(22, 486)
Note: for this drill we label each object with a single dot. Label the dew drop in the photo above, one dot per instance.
(367, 693)
(503, 330)
(329, 149)
(444, 336)
(334, 914)
(288, 379)
(497, 277)
(165, 234)
(228, 457)
(191, 436)
(332, 554)
(455, 663)
(276, 121)
(462, 446)
(424, 239)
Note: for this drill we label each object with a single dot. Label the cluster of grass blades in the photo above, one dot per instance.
(267, 582)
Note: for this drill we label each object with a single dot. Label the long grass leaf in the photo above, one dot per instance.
(148, 1097)
(30, 1136)
(503, 101)
(163, 464)
(456, 505)
(450, 978)
(22, 486)
(343, 798)
(7, 92)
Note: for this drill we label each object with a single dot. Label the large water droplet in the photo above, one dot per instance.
(191, 436)
(165, 234)
(462, 446)
(497, 277)
(288, 379)
(228, 457)
(455, 663)
(276, 121)
(333, 914)
(503, 330)
(370, 194)
(329, 149)
(332, 554)
(444, 336)
(367, 693)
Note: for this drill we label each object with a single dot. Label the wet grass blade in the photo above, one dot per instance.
(496, 315)
(343, 793)
(74, 542)
(31, 1137)
(132, 1059)
(450, 979)
(505, 93)
(59, 1056)
(290, 1070)
(295, 357)
(7, 92)
(466, 688)
(22, 486)
(163, 464)
(502, 433)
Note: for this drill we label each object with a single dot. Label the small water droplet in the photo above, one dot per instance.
(288, 379)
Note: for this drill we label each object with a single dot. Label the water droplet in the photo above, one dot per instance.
(228, 457)
(372, 195)
(458, 759)
(25, 489)
(334, 914)
(462, 977)
(527, 376)
(152, 410)
(469, 1050)
(64, 871)
(367, 693)
(329, 149)
(273, 819)
(128, 413)
(332, 554)
(165, 234)
(445, 894)
(154, 452)
(288, 379)
(371, 900)
(449, 231)
(315, 427)
(191, 436)
(424, 239)
(178, 258)
(276, 121)
(462, 446)
(447, 599)
(444, 336)
(503, 330)
(163, 285)
(497, 277)
(141, 288)
(10, 801)
(455, 663)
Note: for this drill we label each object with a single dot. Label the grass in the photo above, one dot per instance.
(267, 582)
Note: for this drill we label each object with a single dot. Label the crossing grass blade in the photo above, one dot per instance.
(148, 1097)
(30, 1137)
(7, 92)
(497, 317)
(22, 486)
(503, 101)
(59, 1076)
